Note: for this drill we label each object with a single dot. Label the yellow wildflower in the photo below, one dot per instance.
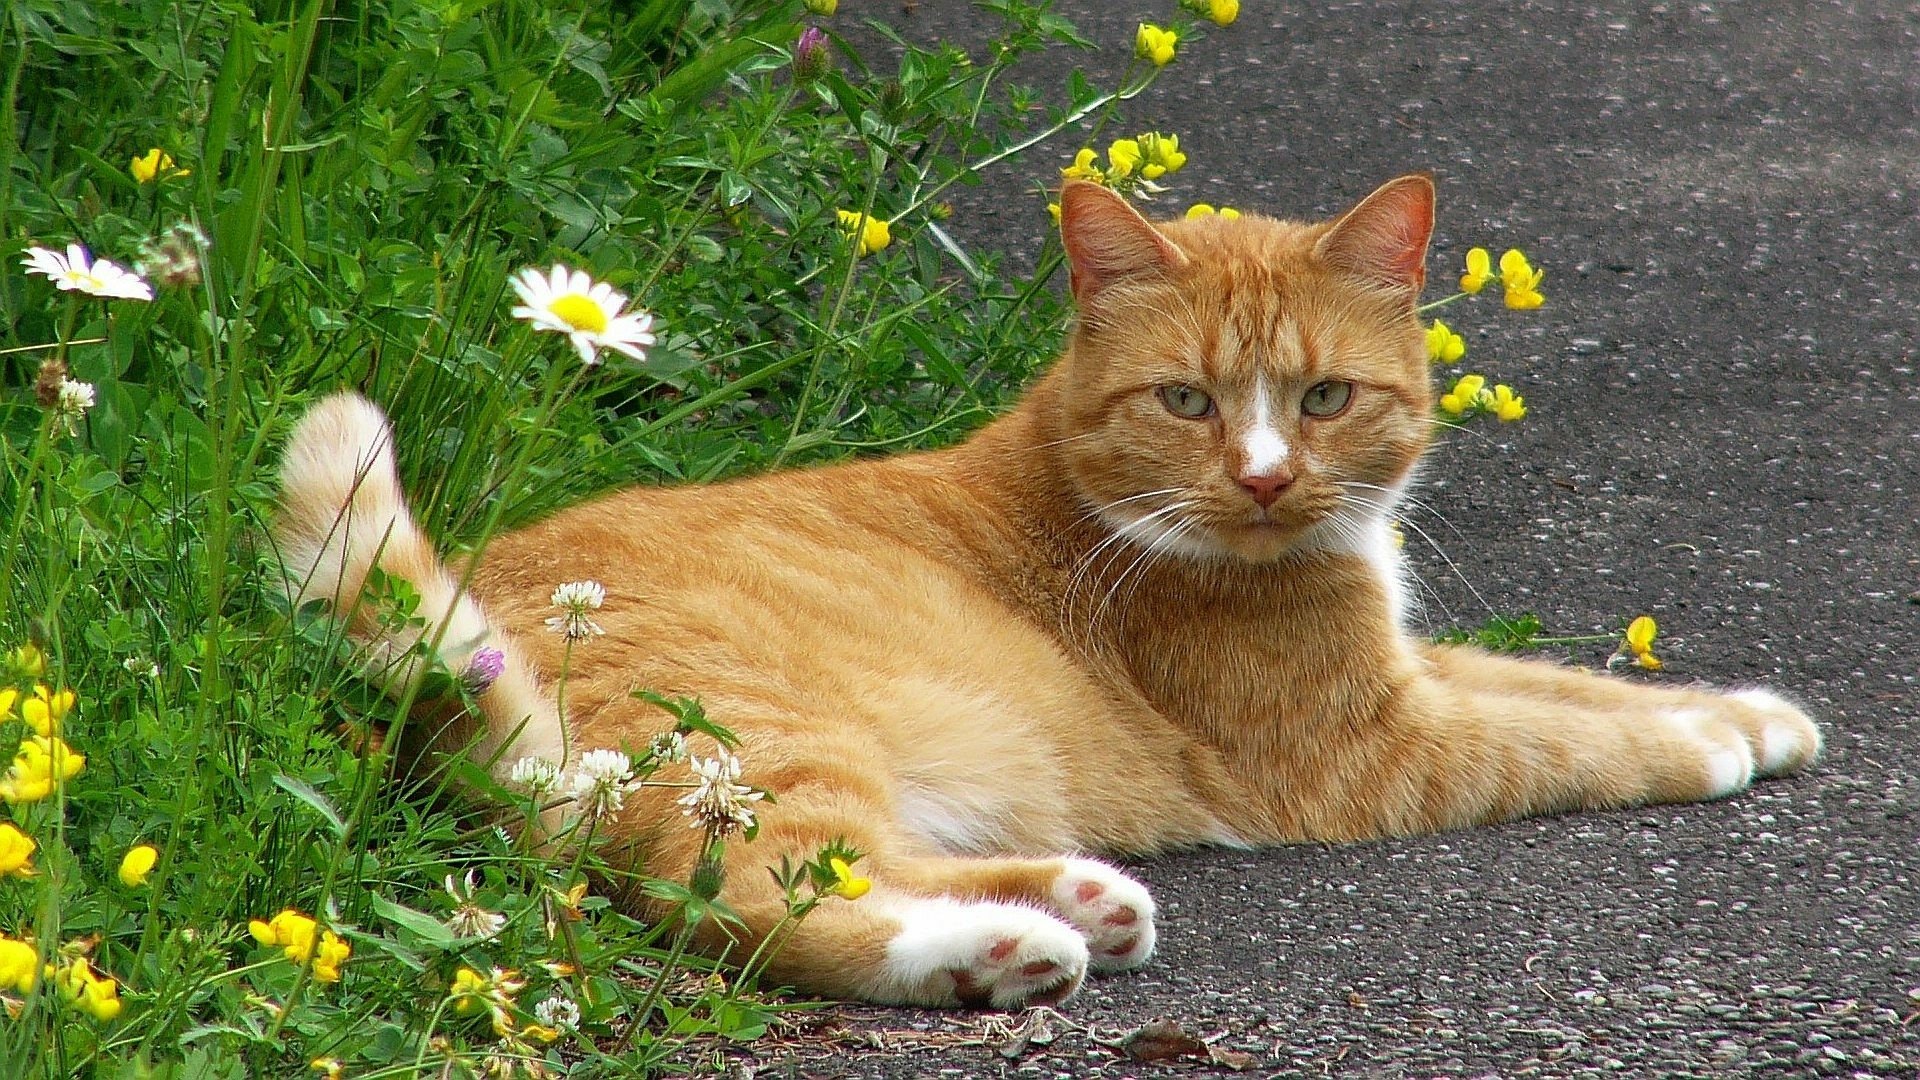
(96, 995)
(869, 233)
(153, 165)
(40, 764)
(844, 882)
(1522, 281)
(1464, 396)
(44, 710)
(302, 940)
(1443, 345)
(28, 660)
(329, 1068)
(473, 993)
(1479, 271)
(19, 964)
(16, 852)
(1639, 641)
(1507, 405)
(539, 1033)
(1200, 210)
(1123, 156)
(1155, 43)
(1162, 153)
(1053, 211)
(1083, 167)
(823, 7)
(8, 695)
(137, 864)
(1223, 12)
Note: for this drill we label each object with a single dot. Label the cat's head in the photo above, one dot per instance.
(1246, 387)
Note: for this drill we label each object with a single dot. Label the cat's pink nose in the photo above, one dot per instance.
(1266, 487)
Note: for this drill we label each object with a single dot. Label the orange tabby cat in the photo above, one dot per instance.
(1155, 605)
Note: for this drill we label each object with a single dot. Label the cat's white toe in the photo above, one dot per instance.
(981, 954)
(1725, 755)
(1114, 911)
(1788, 739)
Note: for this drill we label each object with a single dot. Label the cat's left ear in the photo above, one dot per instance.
(1384, 239)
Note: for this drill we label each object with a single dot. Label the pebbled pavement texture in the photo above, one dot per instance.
(1724, 433)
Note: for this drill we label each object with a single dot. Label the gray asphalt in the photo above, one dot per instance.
(1725, 433)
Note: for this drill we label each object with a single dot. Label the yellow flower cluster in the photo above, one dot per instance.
(1443, 345)
(1470, 395)
(302, 940)
(79, 985)
(870, 234)
(96, 995)
(1200, 210)
(1517, 276)
(1220, 12)
(473, 994)
(44, 760)
(16, 851)
(1156, 44)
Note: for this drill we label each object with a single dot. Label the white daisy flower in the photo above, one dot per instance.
(575, 599)
(71, 403)
(588, 312)
(78, 271)
(560, 1013)
(718, 801)
(599, 782)
(538, 775)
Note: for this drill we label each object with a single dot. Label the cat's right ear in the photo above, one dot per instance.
(1107, 241)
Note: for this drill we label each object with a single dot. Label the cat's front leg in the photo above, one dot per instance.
(1474, 738)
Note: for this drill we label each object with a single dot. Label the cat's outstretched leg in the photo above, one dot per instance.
(1474, 738)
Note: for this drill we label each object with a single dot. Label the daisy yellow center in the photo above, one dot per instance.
(580, 313)
(85, 280)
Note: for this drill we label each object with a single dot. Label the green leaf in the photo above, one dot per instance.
(420, 924)
(306, 793)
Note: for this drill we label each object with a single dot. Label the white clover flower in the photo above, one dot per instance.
(599, 782)
(538, 775)
(718, 801)
(78, 271)
(575, 599)
(558, 1012)
(588, 312)
(72, 402)
(469, 919)
(668, 746)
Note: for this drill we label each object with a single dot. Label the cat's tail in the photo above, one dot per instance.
(343, 517)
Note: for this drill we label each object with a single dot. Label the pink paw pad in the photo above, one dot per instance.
(1113, 911)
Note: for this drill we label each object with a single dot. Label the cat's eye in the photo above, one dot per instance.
(1187, 401)
(1327, 399)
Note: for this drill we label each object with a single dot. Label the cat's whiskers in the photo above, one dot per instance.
(1155, 548)
(1437, 550)
(1083, 573)
(1398, 498)
(1098, 510)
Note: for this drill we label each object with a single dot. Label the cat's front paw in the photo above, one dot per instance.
(1783, 738)
(1114, 911)
(981, 955)
(1745, 735)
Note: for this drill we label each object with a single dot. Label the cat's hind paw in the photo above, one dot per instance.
(1114, 911)
(981, 955)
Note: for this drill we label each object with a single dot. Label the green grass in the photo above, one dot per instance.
(368, 176)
